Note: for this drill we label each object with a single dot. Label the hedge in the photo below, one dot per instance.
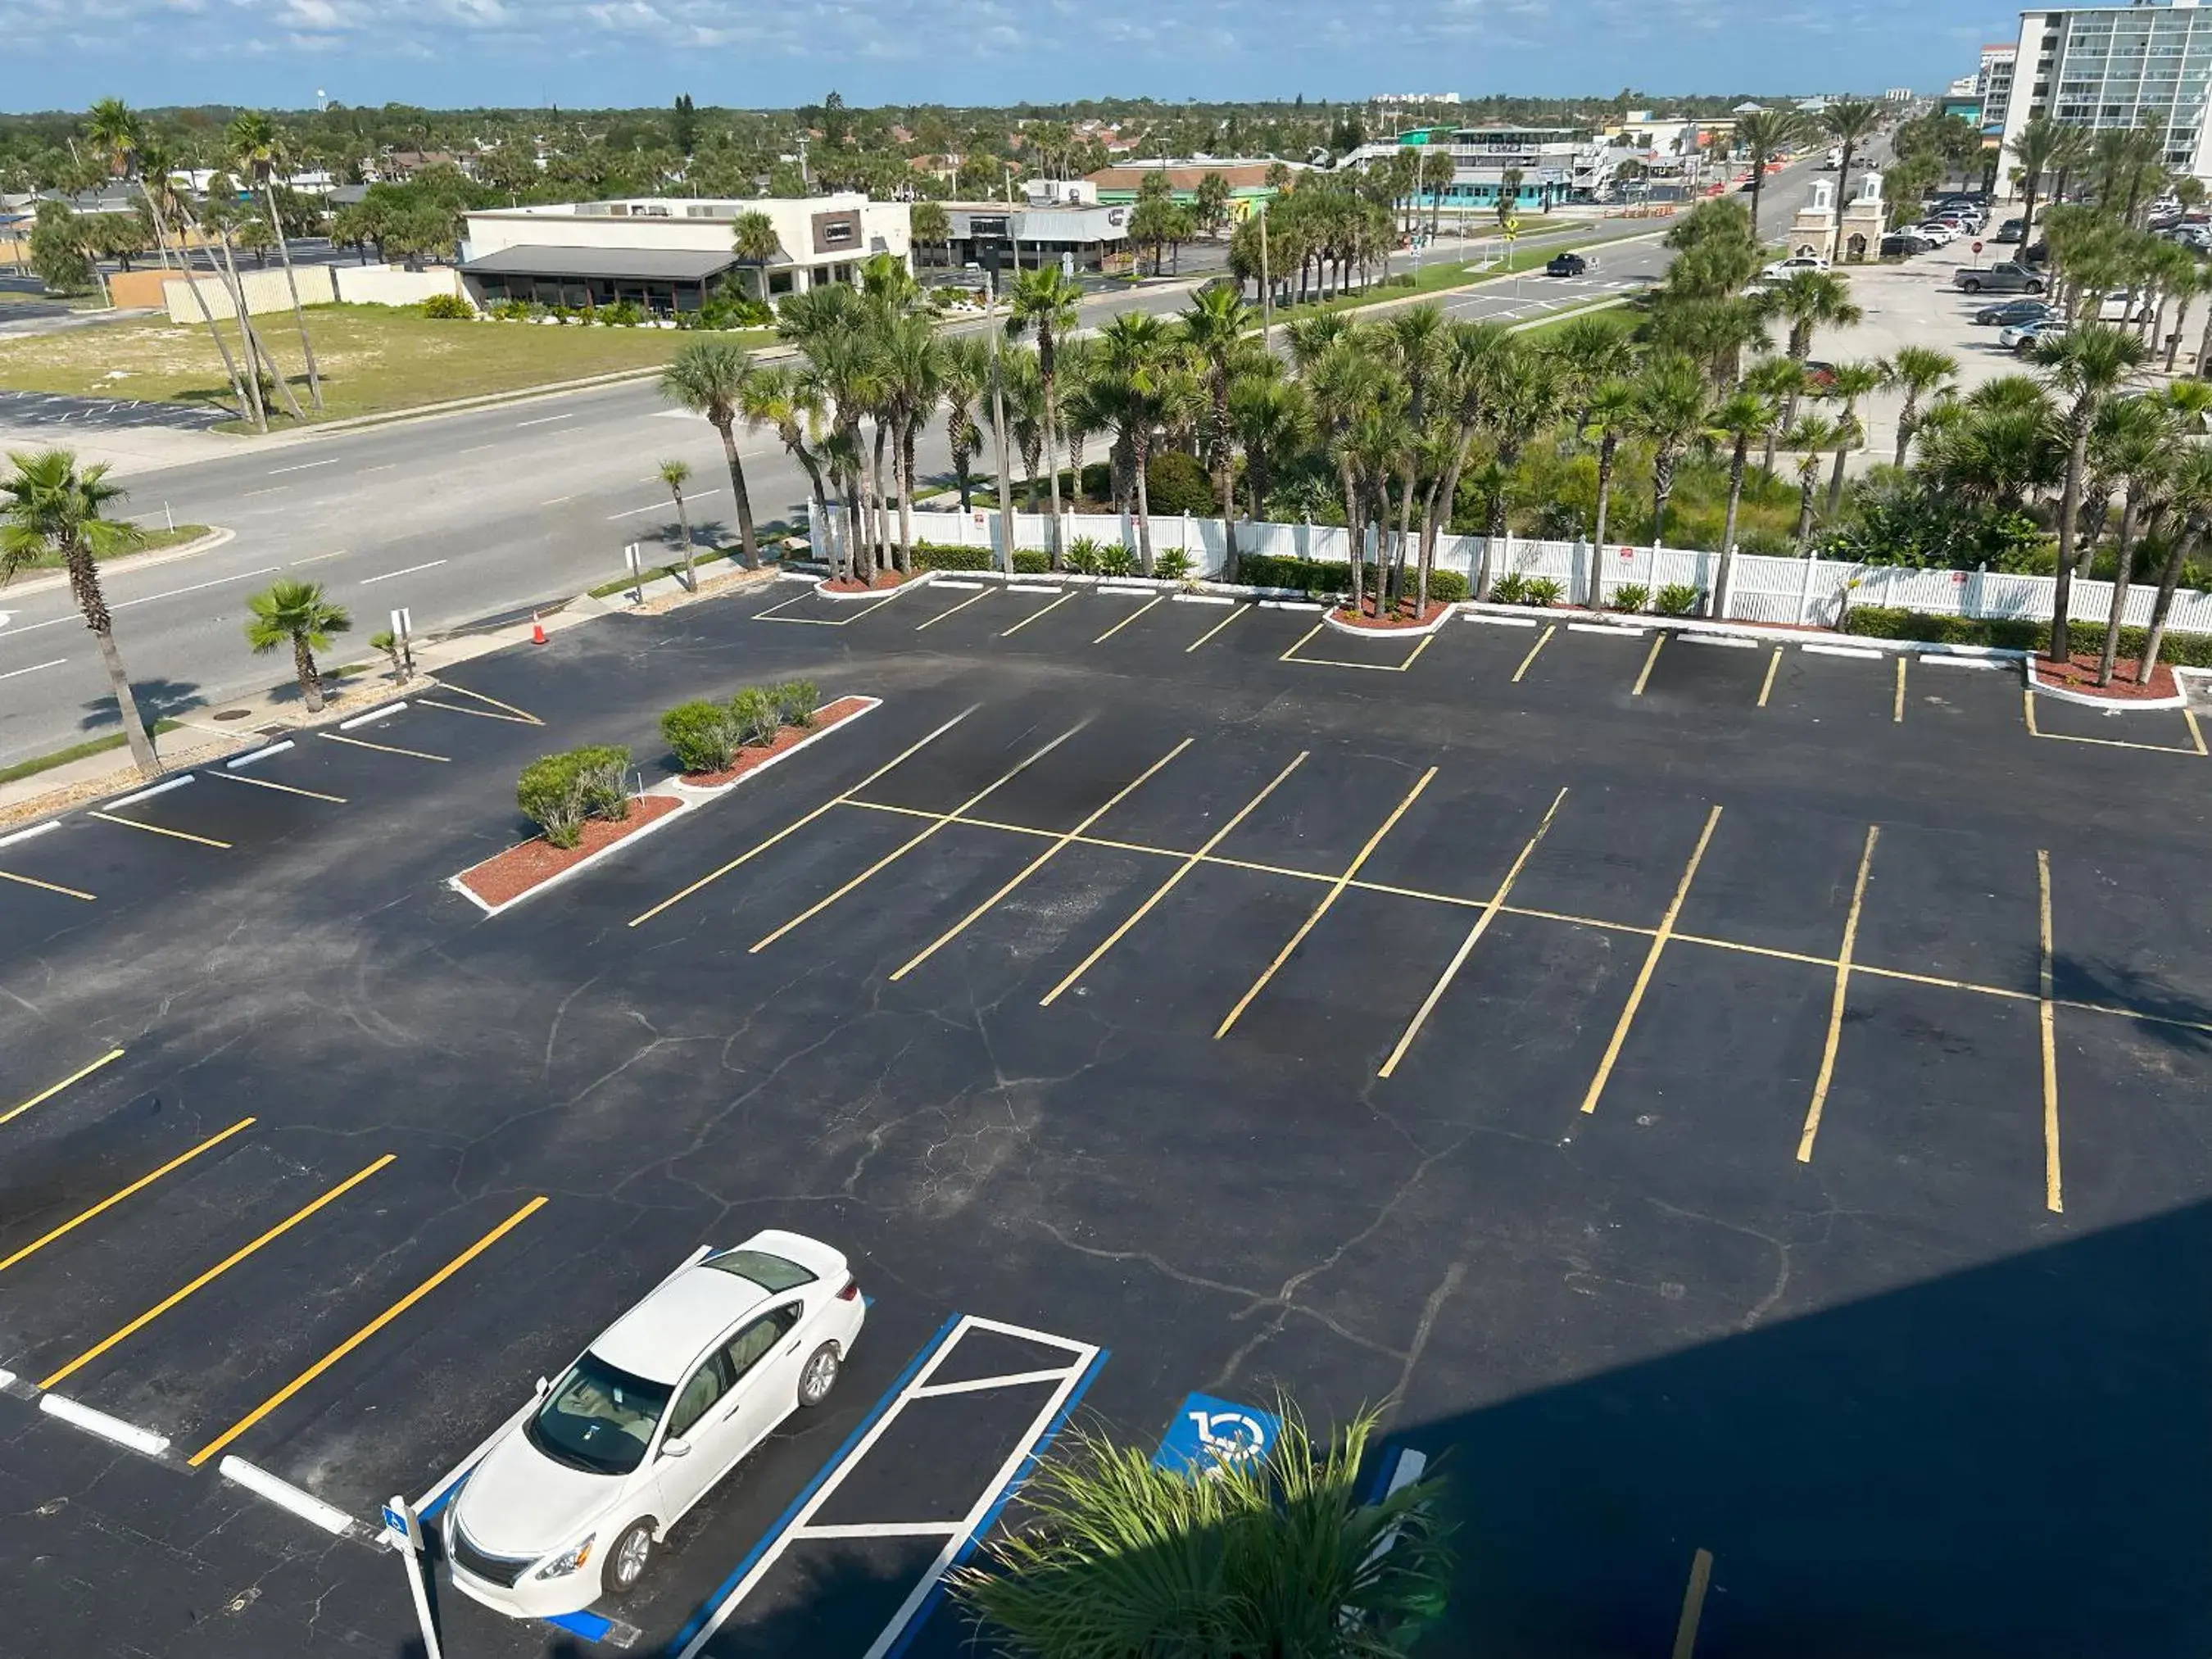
(707, 737)
(558, 792)
(1875, 621)
(1326, 576)
(937, 555)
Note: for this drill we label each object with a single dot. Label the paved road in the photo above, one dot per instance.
(465, 516)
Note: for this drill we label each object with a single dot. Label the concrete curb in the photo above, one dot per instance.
(683, 804)
(217, 536)
(2090, 700)
(1442, 619)
(919, 579)
(1627, 621)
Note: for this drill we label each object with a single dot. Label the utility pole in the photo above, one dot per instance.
(1267, 287)
(998, 426)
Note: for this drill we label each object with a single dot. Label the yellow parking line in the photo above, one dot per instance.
(1040, 611)
(116, 1197)
(912, 842)
(1836, 1000)
(44, 1094)
(2195, 745)
(1897, 707)
(1217, 628)
(2196, 737)
(384, 748)
(521, 714)
(1412, 657)
(46, 886)
(1542, 639)
(1766, 686)
(1335, 892)
(840, 799)
(366, 1332)
(1190, 862)
(156, 830)
(1132, 616)
(1467, 946)
(948, 610)
(282, 788)
(1693, 1605)
(2053, 1198)
(1650, 962)
(1291, 655)
(216, 1272)
(1039, 862)
(1645, 677)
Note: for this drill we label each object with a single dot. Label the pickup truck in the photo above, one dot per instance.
(2007, 277)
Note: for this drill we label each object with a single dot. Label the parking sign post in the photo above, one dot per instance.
(405, 1528)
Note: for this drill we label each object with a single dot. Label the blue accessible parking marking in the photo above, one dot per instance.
(1207, 1432)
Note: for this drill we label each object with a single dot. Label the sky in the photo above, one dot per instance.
(761, 53)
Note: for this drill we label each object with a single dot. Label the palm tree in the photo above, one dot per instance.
(1047, 302)
(2040, 140)
(1347, 382)
(966, 370)
(1612, 410)
(1271, 420)
(711, 377)
(51, 508)
(258, 150)
(1741, 417)
(1810, 299)
(1132, 354)
(1924, 372)
(1590, 351)
(2135, 438)
(913, 380)
(1671, 410)
(2087, 364)
(1782, 380)
(1852, 382)
(752, 238)
(1807, 438)
(2189, 498)
(675, 474)
(294, 613)
(1214, 328)
(1247, 1557)
(1847, 121)
(1763, 134)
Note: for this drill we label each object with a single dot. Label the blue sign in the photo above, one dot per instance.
(1208, 1432)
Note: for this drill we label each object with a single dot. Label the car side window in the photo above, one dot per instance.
(700, 1391)
(752, 1345)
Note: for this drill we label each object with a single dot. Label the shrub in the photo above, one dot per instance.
(1116, 559)
(755, 716)
(1174, 483)
(1082, 557)
(937, 555)
(1174, 564)
(1098, 480)
(1447, 585)
(701, 735)
(514, 311)
(447, 308)
(622, 313)
(1679, 599)
(1629, 595)
(796, 702)
(1540, 590)
(1875, 621)
(1512, 589)
(1031, 562)
(558, 792)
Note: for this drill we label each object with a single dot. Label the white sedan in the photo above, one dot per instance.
(570, 1500)
(1782, 270)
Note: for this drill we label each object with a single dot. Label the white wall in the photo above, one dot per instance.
(265, 292)
(393, 285)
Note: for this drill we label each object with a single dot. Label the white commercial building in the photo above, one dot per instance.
(665, 254)
(2115, 66)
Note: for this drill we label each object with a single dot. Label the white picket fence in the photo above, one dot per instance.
(1761, 588)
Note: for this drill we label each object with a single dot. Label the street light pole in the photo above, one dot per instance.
(998, 426)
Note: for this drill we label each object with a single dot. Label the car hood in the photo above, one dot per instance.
(518, 1502)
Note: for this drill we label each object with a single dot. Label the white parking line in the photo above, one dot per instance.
(1858, 651)
(278, 471)
(409, 571)
(13, 673)
(657, 506)
(544, 420)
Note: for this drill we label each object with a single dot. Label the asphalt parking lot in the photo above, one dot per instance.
(1738, 1100)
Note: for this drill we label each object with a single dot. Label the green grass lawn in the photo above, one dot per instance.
(158, 539)
(1614, 314)
(374, 359)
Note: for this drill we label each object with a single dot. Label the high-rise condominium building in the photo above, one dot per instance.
(2117, 66)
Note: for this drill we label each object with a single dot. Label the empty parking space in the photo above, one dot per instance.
(2170, 730)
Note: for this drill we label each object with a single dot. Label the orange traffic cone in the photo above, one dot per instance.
(537, 629)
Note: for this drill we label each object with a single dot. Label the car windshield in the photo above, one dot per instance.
(597, 1418)
(771, 1272)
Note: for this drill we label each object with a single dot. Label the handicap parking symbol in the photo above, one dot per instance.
(1208, 1432)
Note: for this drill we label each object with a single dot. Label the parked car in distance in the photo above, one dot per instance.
(2007, 277)
(1937, 231)
(1568, 264)
(1820, 376)
(2022, 337)
(1782, 270)
(567, 1502)
(2011, 313)
(1904, 242)
(2009, 231)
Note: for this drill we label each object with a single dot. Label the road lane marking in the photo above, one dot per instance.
(388, 574)
(546, 420)
(1897, 709)
(217, 1271)
(1542, 639)
(117, 1197)
(1766, 686)
(948, 611)
(1240, 611)
(367, 1331)
(44, 1095)
(47, 886)
(1644, 678)
(660, 506)
(1693, 1605)
(1328, 899)
(908, 846)
(279, 471)
(2053, 1196)
(836, 800)
(384, 748)
(1836, 1000)
(1038, 862)
(16, 673)
(1040, 611)
(1650, 962)
(1127, 620)
(1190, 862)
(284, 788)
(156, 830)
(318, 558)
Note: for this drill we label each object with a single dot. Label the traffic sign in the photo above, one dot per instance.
(1207, 1432)
(1977, 247)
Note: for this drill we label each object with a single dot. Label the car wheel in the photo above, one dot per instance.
(626, 1560)
(2035, 288)
(1970, 287)
(820, 1376)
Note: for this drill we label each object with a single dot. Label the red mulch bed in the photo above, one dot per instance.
(883, 578)
(1400, 616)
(827, 715)
(2081, 675)
(515, 871)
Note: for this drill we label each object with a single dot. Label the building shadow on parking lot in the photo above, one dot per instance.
(2010, 1460)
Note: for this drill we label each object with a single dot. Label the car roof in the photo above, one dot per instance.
(660, 1337)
